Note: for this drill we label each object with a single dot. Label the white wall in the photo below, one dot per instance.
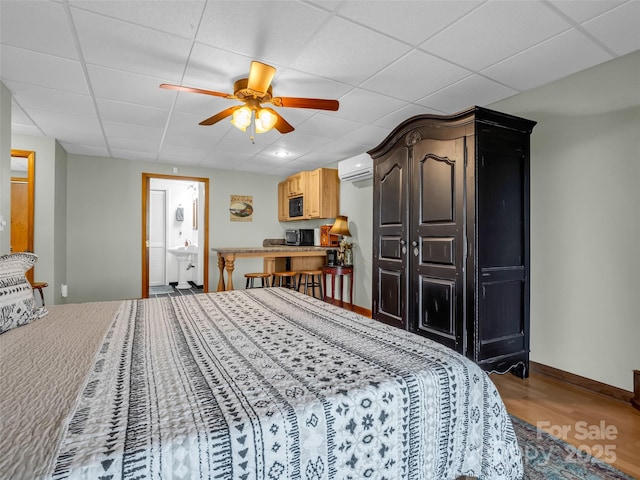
(585, 222)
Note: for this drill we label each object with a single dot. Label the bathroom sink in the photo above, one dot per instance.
(183, 251)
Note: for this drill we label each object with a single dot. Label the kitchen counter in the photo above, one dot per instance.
(302, 257)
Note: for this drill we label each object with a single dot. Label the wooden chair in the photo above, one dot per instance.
(263, 276)
(285, 279)
(39, 286)
(312, 279)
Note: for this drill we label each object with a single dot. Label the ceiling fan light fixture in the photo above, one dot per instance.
(265, 120)
(241, 118)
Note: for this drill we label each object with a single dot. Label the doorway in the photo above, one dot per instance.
(22, 202)
(171, 216)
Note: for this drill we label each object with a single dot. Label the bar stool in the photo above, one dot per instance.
(263, 276)
(284, 279)
(313, 279)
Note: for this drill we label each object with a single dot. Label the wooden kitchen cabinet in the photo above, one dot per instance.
(320, 190)
(322, 199)
(296, 184)
(283, 202)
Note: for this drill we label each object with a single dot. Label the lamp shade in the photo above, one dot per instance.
(341, 226)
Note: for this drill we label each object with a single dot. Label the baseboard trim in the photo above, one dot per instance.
(361, 310)
(584, 382)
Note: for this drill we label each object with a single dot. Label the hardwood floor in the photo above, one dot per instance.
(607, 428)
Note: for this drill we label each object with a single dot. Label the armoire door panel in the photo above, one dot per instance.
(391, 248)
(501, 307)
(438, 250)
(437, 307)
(437, 239)
(438, 179)
(390, 230)
(390, 301)
(501, 209)
(391, 196)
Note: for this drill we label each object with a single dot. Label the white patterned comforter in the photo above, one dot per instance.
(271, 384)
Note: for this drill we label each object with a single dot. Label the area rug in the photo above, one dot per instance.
(548, 458)
(161, 290)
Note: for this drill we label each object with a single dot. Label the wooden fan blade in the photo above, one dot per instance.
(281, 124)
(316, 103)
(195, 90)
(220, 115)
(260, 76)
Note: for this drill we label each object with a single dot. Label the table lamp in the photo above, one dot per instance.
(341, 228)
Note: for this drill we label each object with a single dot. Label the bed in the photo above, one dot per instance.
(246, 384)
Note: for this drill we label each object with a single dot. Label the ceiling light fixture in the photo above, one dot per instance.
(281, 153)
(260, 119)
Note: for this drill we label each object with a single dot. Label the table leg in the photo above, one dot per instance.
(221, 287)
(229, 265)
(341, 290)
(333, 288)
(351, 290)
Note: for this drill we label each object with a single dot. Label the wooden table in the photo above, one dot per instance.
(339, 271)
(302, 258)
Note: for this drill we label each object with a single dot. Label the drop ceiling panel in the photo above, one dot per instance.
(473, 90)
(560, 56)
(411, 22)
(128, 130)
(31, 96)
(292, 83)
(79, 149)
(393, 119)
(340, 45)
(618, 29)
(128, 87)
(69, 128)
(297, 145)
(41, 69)
(122, 112)
(29, 25)
(140, 156)
(216, 69)
(130, 48)
(415, 75)
(326, 125)
(495, 31)
(179, 18)
(580, 11)
(226, 25)
(368, 136)
(362, 105)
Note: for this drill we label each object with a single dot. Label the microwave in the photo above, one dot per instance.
(296, 207)
(302, 236)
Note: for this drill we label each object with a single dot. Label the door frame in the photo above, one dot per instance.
(31, 180)
(146, 191)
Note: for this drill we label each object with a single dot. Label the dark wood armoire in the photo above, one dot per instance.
(451, 234)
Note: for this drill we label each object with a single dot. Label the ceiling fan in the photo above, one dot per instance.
(253, 91)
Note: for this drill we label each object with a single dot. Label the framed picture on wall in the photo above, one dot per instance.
(241, 208)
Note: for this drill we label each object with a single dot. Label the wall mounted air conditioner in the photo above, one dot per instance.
(356, 168)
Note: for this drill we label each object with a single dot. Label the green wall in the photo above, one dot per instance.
(104, 218)
(585, 225)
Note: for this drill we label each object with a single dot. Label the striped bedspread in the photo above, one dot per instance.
(272, 384)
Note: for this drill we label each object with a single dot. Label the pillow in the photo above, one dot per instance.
(17, 305)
